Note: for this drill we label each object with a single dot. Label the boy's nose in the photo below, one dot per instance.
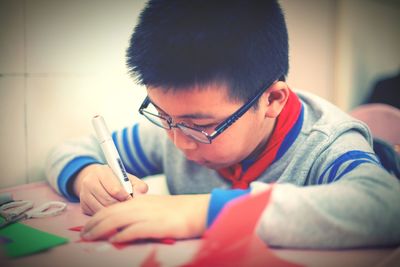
(182, 141)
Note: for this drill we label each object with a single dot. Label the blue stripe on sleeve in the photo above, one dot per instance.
(337, 163)
(68, 173)
(219, 198)
(139, 150)
(351, 167)
(139, 171)
(348, 156)
(351, 155)
(136, 168)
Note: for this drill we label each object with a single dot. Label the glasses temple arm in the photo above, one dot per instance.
(145, 103)
(235, 116)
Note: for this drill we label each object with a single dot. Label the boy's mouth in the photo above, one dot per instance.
(208, 164)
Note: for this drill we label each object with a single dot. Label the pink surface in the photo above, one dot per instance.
(383, 121)
(102, 253)
(76, 253)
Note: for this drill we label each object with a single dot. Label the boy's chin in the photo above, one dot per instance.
(213, 165)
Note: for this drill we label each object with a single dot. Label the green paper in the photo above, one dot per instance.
(25, 240)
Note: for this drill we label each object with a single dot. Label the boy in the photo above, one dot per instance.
(215, 77)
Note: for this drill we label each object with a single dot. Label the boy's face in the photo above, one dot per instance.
(206, 108)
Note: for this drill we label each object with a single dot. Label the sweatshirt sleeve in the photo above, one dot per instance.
(351, 201)
(219, 198)
(139, 147)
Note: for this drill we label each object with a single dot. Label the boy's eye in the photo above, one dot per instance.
(204, 126)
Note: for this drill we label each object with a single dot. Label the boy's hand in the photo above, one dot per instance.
(150, 216)
(97, 187)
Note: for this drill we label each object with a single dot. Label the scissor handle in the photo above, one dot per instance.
(50, 208)
(15, 208)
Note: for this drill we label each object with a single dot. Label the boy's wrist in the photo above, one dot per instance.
(197, 214)
(66, 178)
(205, 200)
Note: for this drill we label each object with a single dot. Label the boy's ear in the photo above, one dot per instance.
(275, 98)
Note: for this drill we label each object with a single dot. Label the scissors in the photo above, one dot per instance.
(22, 209)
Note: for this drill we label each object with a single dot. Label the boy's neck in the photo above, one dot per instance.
(264, 141)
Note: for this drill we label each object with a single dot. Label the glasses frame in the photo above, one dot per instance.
(220, 128)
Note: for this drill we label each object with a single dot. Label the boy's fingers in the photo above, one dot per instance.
(90, 205)
(93, 222)
(139, 230)
(129, 233)
(112, 212)
(120, 194)
(102, 196)
(139, 186)
(85, 209)
(113, 186)
(102, 225)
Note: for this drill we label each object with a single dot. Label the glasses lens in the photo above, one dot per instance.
(195, 134)
(157, 120)
(154, 116)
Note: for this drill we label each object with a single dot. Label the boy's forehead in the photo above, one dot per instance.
(199, 101)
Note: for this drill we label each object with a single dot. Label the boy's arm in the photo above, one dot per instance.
(138, 146)
(357, 204)
(350, 201)
(66, 160)
(360, 210)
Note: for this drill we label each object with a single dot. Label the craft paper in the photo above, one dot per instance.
(24, 240)
(231, 240)
(151, 260)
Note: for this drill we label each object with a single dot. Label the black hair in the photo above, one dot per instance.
(182, 43)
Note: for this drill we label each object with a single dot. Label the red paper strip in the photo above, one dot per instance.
(76, 228)
(151, 261)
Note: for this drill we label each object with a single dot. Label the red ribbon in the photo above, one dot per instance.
(285, 121)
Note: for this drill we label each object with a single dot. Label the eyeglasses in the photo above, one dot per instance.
(199, 135)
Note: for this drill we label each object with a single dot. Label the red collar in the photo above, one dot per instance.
(285, 122)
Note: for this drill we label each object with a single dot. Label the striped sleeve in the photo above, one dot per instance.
(346, 163)
(64, 181)
(136, 150)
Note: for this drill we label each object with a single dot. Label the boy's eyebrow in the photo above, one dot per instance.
(197, 115)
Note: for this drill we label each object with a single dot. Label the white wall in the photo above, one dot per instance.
(368, 47)
(61, 62)
(311, 27)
